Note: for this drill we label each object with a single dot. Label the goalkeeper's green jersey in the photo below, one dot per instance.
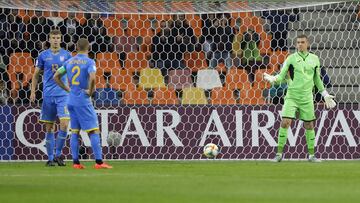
(304, 73)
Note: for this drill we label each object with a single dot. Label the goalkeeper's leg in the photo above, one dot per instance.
(307, 114)
(288, 113)
(282, 137)
(310, 140)
(310, 137)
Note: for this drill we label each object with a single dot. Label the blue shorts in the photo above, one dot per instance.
(83, 118)
(53, 107)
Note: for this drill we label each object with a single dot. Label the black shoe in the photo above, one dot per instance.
(50, 163)
(59, 161)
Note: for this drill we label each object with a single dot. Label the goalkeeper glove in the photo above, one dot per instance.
(270, 78)
(329, 99)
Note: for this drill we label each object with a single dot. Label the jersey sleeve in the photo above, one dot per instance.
(40, 61)
(68, 56)
(284, 70)
(91, 67)
(317, 77)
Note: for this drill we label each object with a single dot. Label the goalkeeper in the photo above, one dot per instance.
(304, 71)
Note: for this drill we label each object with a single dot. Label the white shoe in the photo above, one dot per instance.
(313, 159)
(278, 158)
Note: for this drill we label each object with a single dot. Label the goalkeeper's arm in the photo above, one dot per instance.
(329, 99)
(281, 76)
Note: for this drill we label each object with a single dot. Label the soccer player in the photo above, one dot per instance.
(81, 71)
(54, 98)
(304, 71)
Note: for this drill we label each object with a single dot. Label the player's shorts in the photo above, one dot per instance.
(83, 118)
(53, 107)
(291, 107)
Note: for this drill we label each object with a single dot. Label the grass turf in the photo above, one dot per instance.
(168, 181)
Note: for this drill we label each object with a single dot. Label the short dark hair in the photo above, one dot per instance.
(302, 36)
(82, 44)
(55, 32)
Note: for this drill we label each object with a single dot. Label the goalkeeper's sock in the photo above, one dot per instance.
(282, 140)
(310, 141)
(50, 145)
(95, 145)
(60, 142)
(74, 146)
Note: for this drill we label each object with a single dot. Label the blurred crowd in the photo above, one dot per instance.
(221, 39)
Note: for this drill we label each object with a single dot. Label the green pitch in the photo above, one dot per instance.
(166, 181)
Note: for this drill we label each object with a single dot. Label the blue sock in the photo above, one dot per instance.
(74, 146)
(50, 145)
(60, 142)
(96, 146)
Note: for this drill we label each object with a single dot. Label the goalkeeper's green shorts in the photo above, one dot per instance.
(291, 107)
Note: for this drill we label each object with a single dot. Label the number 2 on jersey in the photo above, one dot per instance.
(76, 75)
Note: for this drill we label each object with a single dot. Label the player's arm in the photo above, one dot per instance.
(34, 83)
(281, 76)
(92, 77)
(57, 78)
(91, 86)
(329, 99)
(39, 68)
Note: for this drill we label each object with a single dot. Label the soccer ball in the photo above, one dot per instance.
(211, 150)
(113, 139)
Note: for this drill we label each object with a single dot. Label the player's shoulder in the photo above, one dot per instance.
(91, 64)
(313, 55)
(90, 60)
(68, 61)
(291, 56)
(64, 51)
(44, 53)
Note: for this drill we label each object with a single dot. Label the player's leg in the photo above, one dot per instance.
(74, 146)
(63, 115)
(288, 114)
(89, 123)
(74, 138)
(282, 138)
(310, 140)
(307, 114)
(48, 116)
(94, 136)
(50, 143)
(60, 141)
(310, 136)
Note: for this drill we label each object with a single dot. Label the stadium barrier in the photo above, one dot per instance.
(179, 132)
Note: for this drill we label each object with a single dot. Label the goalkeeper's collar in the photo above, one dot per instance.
(303, 54)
